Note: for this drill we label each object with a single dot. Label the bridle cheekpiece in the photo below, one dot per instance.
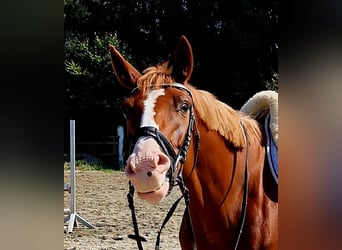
(176, 158)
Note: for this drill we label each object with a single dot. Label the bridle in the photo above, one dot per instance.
(165, 145)
(175, 174)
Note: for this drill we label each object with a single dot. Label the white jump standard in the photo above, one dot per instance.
(72, 216)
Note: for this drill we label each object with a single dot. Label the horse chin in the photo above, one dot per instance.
(155, 197)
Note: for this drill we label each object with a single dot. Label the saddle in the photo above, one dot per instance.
(263, 106)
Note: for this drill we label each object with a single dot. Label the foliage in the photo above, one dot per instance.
(241, 34)
(89, 77)
(273, 83)
(235, 46)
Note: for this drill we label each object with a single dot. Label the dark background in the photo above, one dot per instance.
(235, 46)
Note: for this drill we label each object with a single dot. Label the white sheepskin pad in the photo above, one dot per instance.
(262, 103)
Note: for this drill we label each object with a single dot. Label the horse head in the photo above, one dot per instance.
(160, 116)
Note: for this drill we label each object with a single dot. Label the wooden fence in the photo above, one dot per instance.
(103, 148)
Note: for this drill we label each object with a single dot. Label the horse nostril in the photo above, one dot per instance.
(149, 174)
(163, 159)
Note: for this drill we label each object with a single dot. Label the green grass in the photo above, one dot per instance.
(83, 165)
(86, 162)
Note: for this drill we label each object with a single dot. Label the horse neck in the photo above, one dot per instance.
(216, 191)
(218, 176)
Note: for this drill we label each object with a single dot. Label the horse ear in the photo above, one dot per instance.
(183, 61)
(126, 74)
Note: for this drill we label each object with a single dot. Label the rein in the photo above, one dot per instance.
(136, 235)
(245, 192)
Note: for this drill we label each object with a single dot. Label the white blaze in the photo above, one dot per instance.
(147, 118)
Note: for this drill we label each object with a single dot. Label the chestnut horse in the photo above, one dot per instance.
(215, 153)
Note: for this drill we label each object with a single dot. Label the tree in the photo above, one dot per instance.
(235, 46)
(89, 80)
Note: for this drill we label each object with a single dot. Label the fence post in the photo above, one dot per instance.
(73, 217)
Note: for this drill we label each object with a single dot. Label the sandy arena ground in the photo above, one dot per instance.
(101, 199)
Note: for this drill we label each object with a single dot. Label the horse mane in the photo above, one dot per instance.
(222, 118)
(154, 77)
(215, 114)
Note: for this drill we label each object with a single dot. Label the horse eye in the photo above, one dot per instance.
(184, 107)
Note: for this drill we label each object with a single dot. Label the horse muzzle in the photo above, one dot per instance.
(146, 168)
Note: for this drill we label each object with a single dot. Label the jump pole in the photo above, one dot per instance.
(73, 217)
